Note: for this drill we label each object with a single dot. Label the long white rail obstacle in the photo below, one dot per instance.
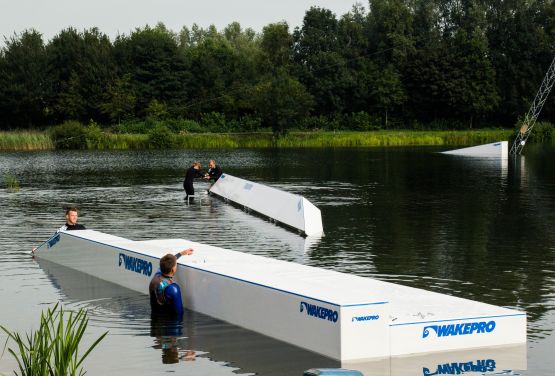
(287, 208)
(494, 150)
(342, 316)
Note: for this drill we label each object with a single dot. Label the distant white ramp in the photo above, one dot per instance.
(494, 150)
(287, 208)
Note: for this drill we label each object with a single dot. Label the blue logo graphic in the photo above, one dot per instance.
(459, 329)
(135, 264)
(481, 366)
(320, 312)
(248, 186)
(365, 318)
(52, 242)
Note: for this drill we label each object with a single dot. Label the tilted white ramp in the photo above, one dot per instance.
(494, 150)
(342, 316)
(288, 208)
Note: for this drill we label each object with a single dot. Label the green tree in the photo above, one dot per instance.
(156, 66)
(276, 45)
(319, 63)
(119, 99)
(23, 89)
(224, 68)
(387, 90)
(282, 101)
(80, 66)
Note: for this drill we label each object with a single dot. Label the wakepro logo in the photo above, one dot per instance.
(482, 366)
(319, 312)
(365, 318)
(459, 329)
(135, 264)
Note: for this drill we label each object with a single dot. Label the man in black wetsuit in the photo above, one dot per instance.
(214, 171)
(192, 173)
(71, 221)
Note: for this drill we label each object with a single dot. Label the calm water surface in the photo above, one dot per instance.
(478, 229)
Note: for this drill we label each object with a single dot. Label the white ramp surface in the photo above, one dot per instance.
(494, 150)
(288, 208)
(342, 316)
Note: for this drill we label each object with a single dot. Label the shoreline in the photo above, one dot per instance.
(23, 140)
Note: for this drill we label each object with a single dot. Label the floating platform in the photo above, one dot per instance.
(287, 208)
(341, 316)
(494, 150)
(253, 353)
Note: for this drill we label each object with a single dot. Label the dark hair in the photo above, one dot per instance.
(70, 209)
(167, 263)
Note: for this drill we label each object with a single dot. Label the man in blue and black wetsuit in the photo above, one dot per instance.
(165, 294)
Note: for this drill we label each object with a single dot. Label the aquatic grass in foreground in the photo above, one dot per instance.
(53, 349)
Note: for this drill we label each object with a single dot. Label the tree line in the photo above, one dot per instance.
(393, 63)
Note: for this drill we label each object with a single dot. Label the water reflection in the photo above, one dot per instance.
(195, 336)
(167, 331)
(473, 229)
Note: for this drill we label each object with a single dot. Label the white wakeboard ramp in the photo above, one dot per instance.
(287, 208)
(493, 150)
(342, 316)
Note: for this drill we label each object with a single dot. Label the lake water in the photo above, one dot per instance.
(477, 229)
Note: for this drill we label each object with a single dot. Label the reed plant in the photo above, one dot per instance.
(12, 184)
(52, 349)
(25, 140)
(97, 139)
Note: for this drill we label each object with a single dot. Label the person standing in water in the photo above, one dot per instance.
(214, 171)
(165, 294)
(192, 173)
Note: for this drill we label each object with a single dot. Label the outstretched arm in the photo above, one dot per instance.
(185, 252)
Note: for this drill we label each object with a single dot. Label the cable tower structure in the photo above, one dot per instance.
(530, 120)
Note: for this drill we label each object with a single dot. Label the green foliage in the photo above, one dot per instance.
(362, 121)
(94, 136)
(458, 64)
(542, 132)
(161, 137)
(213, 122)
(69, 135)
(282, 102)
(119, 99)
(12, 184)
(80, 66)
(23, 76)
(53, 349)
(156, 110)
(25, 140)
(184, 125)
(247, 123)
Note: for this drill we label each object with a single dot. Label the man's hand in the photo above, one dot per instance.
(186, 252)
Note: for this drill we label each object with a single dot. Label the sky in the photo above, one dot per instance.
(114, 17)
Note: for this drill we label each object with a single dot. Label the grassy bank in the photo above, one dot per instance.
(24, 140)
